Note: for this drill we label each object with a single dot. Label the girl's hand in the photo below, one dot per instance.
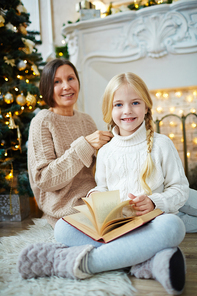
(99, 138)
(142, 204)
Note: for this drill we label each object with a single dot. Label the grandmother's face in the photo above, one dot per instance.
(66, 88)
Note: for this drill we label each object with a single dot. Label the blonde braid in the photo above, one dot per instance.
(149, 165)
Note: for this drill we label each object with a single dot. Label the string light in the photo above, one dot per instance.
(188, 154)
(172, 109)
(193, 110)
(16, 88)
(178, 94)
(193, 125)
(158, 94)
(159, 109)
(189, 99)
(5, 154)
(165, 95)
(61, 54)
(171, 136)
(6, 79)
(195, 140)
(63, 41)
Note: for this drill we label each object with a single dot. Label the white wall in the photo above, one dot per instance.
(48, 19)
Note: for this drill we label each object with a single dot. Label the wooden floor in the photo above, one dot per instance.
(144, 287)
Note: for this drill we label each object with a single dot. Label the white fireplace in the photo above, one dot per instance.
(158, 43)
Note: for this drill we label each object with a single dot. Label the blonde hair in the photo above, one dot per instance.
(141, 89)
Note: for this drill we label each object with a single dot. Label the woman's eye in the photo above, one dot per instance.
(70, 78)
(56, 81)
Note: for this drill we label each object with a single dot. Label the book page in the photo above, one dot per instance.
(116, 212)
(85, 210)
(83, 224)
(103, 204)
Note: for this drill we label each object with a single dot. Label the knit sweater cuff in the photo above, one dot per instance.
(84, 150)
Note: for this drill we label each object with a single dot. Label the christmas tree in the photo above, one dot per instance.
(20, 67)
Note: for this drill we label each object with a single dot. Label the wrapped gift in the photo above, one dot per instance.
(14, 207)
(87, 14)
(84, 5)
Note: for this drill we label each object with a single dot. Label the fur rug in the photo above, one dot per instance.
(115, 283)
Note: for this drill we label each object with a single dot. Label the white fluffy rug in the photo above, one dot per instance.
(114, 283)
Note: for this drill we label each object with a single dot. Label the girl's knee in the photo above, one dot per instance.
(172, 225)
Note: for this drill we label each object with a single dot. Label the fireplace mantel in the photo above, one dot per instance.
(158, 43)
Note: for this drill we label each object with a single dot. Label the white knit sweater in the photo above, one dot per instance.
(120, 161)
(60, 161)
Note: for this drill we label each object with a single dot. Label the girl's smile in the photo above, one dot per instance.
(128, 110)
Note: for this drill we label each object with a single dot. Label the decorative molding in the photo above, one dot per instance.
(158, 35)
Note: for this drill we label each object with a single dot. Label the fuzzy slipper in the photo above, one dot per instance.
(167, 267)
(50, 259)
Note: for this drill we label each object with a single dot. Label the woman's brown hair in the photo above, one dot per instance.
(47, 79)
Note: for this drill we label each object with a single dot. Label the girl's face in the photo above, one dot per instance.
(66, 90)
(128, 110)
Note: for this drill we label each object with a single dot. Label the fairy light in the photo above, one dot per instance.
(188, 154)
(195, 140)
(172, 109)
(181, 112)
(16, 88)
(25, 61)
(9, 176)
(5, 154)
(165, 95)
(6, 79)
(172, 123)
(30, 107)
(41, 96)
(178, 94)
(27, 80)
(193, 110)
(63, 41)
(193, 125)
(26, 71)
(60, 54)
(158, 94)
(195, 93)
(171, 136)
(22, 108)
(189, 99)
(161, 123)
(19, 76)
(159, 109)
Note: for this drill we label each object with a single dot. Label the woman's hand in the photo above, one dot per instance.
(99, 138)
(142, 204)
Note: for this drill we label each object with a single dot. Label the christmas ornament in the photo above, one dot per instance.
(22, 29)
(21, 100)
(8, 98)
(9, 26)
(21, 65)
(2, 21)
(12, 124)
(21, 8)
(29, 45)
(35, 70)
(9, 62)
(31, 100)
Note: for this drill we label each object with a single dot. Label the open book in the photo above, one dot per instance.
(102, 219)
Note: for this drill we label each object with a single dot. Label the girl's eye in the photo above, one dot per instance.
(118, 105)
(56, 81)
(70, 78)
(135, 103)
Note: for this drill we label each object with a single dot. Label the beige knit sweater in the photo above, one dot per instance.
(60, 161)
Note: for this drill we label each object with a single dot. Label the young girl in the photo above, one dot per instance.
(145, 167)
